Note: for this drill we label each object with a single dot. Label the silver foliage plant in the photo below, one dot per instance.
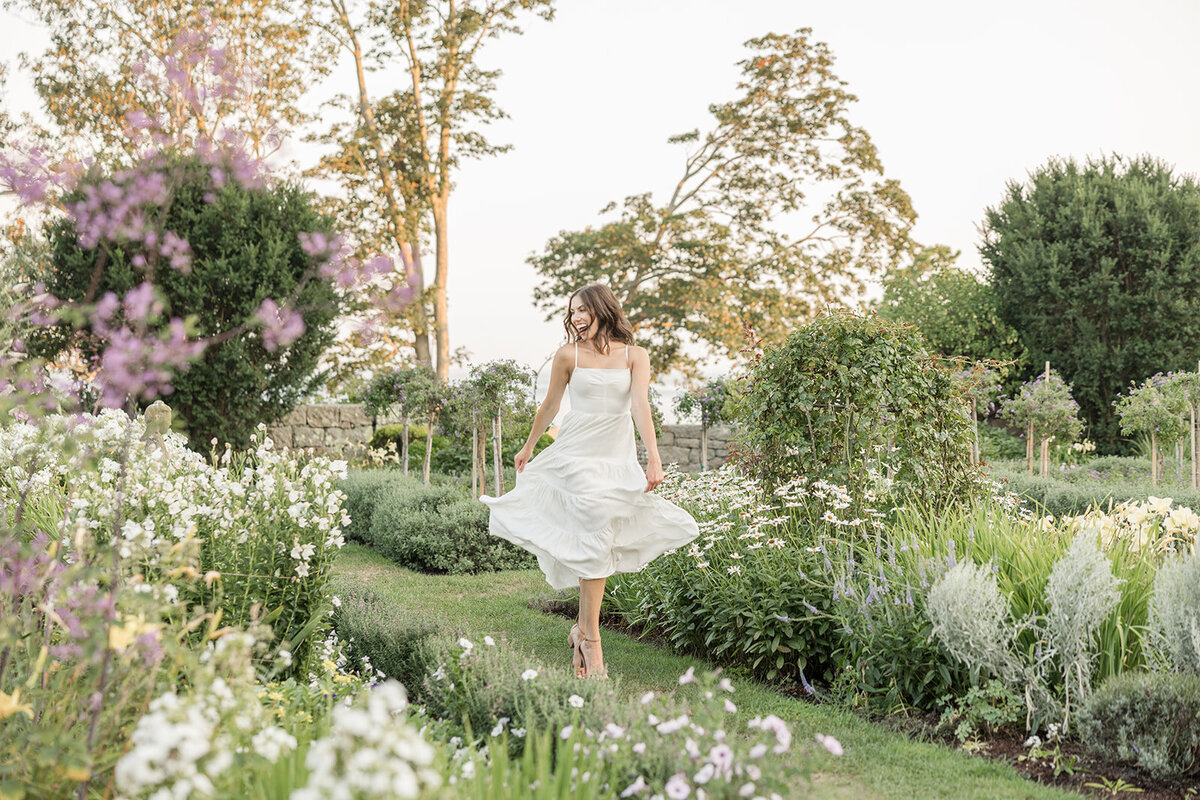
(1080, 594)
(1175, 614)
(971, 618)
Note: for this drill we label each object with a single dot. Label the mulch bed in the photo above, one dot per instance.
(1086, 769)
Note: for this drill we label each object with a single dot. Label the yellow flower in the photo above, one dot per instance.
(342, 678)
(76, 773)
(11, 704)
(276, 696)
(329, 665)
(120, 637)
(1159, 505)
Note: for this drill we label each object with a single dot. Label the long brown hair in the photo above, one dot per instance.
(602, 304)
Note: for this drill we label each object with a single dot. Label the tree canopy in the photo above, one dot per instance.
(782, 207)
(246, 246)
(1097, 268)
(108, 57)
(954, 310)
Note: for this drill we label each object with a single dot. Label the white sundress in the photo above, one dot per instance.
(580, 505)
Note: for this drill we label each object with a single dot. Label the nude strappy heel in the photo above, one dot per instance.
(574, 638)
(588, 671)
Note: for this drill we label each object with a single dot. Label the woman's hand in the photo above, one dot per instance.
(521, 458)
(654, 474)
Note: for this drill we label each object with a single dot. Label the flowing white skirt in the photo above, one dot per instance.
(581, 507)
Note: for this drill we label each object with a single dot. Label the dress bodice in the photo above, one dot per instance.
(596, 390)
(600, 391)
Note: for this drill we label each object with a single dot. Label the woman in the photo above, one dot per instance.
(583, 505)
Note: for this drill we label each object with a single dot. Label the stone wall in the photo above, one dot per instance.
(328, 429)
(680, 444)
(344, 429)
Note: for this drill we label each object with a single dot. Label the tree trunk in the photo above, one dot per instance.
(420, 320)
(430, 422)
(1045, 457)
(975, 441)
(404, 446)
(474, 454)
(440, 310)
(1153, 459)
(1195, 461)
(704, 447)
(497, 458)
(393, 211)
(483, 457)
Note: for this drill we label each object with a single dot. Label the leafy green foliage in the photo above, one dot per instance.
(829, 401)
(1045, 403)
(782, 208)
(1154, 407)
(1148, 719)
(1096, 266)
(710, 403)
(246, 248)
(989, 709)
(953, 309)
(1102, 482)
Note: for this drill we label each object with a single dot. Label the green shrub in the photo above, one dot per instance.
(379, 635)
(1148, 719)
(432, 529)
(362, 488)
(996, 443)
(828, 400)
(245, 246)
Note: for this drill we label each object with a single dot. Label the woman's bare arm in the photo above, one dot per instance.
(560, 373)
(640, 405)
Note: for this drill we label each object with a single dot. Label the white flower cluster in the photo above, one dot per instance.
(175, 496)
(370, 752)
(183, 744)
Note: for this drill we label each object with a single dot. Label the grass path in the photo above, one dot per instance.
(878, 763)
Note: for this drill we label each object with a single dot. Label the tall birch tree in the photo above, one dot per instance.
(397, 159)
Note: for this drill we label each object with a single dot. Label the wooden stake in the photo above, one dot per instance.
(1153, 459)
(497, 464)
(1195, 461)
(1029, 448)
(429, 445)
(404, 445)
(703, 447)
(474, 453)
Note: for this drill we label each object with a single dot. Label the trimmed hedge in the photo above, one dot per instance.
(362, 488)
(434, 528)
(1149, 719)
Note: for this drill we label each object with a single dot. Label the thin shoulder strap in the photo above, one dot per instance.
(577, 355)
(627, 355)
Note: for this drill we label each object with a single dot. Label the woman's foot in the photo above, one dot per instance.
(593, 660)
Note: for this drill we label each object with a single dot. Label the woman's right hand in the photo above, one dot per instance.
(521, 458)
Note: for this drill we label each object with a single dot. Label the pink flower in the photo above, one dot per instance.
(281, 326)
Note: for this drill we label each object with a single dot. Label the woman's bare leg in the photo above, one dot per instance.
(591, 594)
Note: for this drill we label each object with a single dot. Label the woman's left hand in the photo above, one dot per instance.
(654, 475)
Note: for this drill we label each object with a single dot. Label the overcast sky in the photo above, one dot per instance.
(959, 98)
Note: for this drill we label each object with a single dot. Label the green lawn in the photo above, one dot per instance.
(877, 762)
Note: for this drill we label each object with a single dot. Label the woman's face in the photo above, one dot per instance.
(581, 320)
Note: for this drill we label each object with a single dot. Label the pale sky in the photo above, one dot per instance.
(958, 97)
